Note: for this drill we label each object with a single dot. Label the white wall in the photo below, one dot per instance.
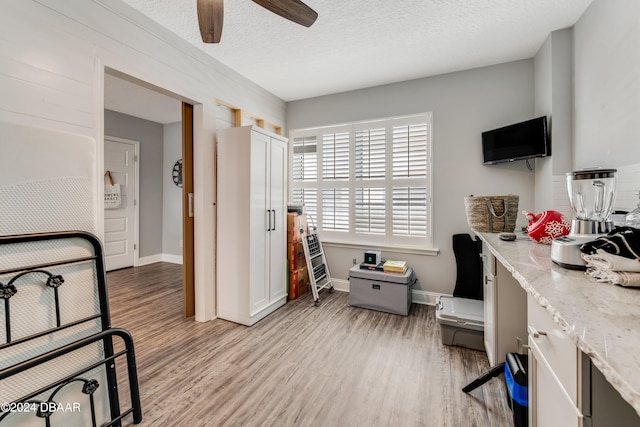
(607, 85)
(463, 104)
(607, 93)
(52, 63)
(171, 194)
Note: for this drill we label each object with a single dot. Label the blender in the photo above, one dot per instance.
(592, 195)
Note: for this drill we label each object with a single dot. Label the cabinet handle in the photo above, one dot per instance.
(534, 332)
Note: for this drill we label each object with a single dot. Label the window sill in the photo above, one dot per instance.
(388, 249)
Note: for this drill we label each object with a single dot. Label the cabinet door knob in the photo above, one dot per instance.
(534, 332)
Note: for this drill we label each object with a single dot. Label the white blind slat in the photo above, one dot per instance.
(409, 150)
(307, 197)
(305, 159)
(370, 156)
(335, 156)
(370, 210)
(335, 209)
(409, 211)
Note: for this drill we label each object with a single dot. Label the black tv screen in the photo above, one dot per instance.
(519, 141)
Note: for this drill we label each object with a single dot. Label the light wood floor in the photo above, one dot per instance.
(332, 365)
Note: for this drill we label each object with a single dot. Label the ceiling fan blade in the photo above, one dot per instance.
(293, 10)
(210, 16)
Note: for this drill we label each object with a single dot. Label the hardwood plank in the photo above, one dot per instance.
(332, 365)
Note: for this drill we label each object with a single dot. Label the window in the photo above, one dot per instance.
(366, 182)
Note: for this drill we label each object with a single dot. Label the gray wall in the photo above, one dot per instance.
(172, 194)
(463, 104)
(607, 85)
(150, 136)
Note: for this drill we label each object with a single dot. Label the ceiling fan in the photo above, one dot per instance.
(210, 15)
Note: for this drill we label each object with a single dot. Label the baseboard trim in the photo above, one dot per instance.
(173, 259)
(341, 285)
(151, 259)
(417, 297)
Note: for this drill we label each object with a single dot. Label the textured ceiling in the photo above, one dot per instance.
(362, 43)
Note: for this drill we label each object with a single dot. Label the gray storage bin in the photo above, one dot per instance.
(461, 322)
(376, 290)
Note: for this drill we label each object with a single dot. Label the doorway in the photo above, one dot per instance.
(134, 98)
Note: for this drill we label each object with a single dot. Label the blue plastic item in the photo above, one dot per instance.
(517, 392)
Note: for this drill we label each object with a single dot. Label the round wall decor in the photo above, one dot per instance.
(176, 173)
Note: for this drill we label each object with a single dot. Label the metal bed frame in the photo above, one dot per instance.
(43, 405)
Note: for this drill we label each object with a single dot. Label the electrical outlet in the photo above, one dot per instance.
(354, 261)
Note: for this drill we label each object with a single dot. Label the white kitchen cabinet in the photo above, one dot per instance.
(251, 223)
(572, 335)
(505, 310)
(489, 296)
(554, 364)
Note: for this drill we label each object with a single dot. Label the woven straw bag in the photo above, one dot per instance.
(492, 214)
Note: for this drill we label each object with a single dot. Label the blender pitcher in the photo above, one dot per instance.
(592, 194)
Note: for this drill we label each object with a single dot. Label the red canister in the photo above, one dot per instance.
(547, 225)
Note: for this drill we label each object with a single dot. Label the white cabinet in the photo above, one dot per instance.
(251, 223)
(489, 296)
(554, 366)
(505, 310)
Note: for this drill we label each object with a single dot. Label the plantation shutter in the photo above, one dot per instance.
(370, 153)
(335, 175)
(304, 172)
(335, 156)
(370, 170)
(409, 211)
(304, 159)
(335, 209)
(307, 197)
(370, 210)
(410, 145)
(409, 151)
(367, 182)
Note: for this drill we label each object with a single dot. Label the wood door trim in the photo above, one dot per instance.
(188, 270)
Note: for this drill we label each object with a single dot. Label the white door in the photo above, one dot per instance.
(278, 234)
(261, 223)
(120, 225)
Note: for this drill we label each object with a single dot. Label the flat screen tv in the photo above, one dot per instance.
(519, 141)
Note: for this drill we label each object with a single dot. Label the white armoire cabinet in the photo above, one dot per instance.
(251, 223)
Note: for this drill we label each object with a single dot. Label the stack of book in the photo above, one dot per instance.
(395, 267)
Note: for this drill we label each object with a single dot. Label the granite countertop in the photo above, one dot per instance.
(602, 319)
